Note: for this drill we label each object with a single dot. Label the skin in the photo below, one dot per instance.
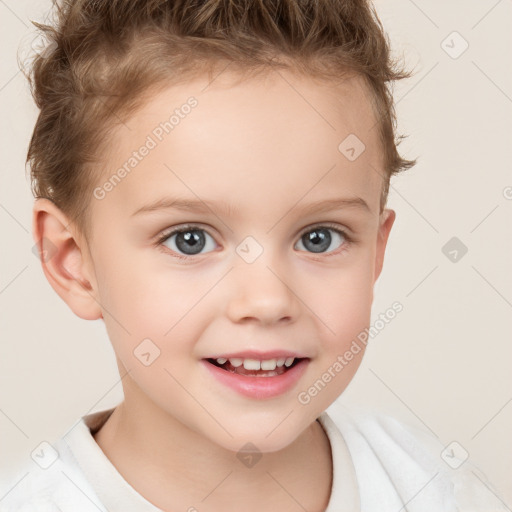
(268, 146)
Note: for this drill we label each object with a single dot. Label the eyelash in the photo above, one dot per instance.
(348, 241)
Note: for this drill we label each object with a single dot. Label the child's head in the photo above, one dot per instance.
(254, 111)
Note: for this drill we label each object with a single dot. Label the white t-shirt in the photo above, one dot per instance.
(395, 468)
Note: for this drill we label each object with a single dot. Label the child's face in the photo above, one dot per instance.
(268, 149)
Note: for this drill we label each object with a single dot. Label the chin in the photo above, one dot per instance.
(266, 440)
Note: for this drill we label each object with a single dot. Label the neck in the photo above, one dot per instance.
(174, 467)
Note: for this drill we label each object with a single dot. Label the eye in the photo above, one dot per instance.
(318, 239)
(187, 240)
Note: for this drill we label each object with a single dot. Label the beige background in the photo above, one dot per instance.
(442, 364)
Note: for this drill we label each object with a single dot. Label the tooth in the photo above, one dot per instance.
(289, 361)
(270, 364)
(280, 362)
(236, 362)
(221, 360)
(251, 364)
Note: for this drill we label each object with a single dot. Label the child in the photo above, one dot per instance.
(261, 133)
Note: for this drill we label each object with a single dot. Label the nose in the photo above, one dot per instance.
(262, 294)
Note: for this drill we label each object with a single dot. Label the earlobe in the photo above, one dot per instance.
(388, 217)
(62, 259)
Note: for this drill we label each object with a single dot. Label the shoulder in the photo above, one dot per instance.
(30, 491)
(406, 461)
(58, 487)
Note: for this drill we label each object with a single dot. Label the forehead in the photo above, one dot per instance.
(275, 139)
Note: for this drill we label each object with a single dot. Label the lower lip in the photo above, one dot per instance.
(259, 387)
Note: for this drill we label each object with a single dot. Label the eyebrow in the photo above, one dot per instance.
(200, 206)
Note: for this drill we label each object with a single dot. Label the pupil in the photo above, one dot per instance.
(189, 241)
(319, 238)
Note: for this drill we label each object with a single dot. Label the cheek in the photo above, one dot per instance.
(148, 302)
(344, 311)
(143, 295)
(342, 299)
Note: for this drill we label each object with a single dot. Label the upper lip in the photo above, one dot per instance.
(254, 354)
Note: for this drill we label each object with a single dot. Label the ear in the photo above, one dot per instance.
(386, 222)
(62, 253)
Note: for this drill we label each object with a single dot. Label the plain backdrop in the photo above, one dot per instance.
(443, 364)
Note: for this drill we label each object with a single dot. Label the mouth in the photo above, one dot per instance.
(256, 368)
(258, 379)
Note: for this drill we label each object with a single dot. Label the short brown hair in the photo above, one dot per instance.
(105, 56)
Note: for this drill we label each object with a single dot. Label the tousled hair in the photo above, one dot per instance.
(104, 57)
